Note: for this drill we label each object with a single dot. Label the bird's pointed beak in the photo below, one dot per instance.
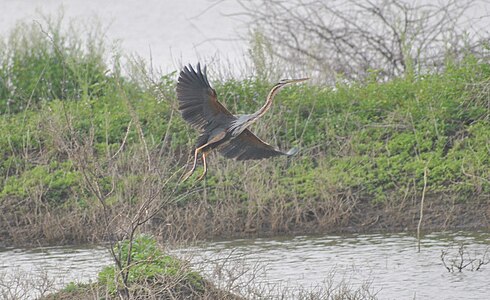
(299, 80)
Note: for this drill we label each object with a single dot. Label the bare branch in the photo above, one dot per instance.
(353, 37)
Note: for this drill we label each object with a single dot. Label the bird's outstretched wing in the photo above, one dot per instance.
(197, 99)
(248, 146)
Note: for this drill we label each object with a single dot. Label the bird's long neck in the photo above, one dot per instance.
(248, 120)
(267, 104)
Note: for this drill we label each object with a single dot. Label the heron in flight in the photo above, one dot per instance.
(219, 128)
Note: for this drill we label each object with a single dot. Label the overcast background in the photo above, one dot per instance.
(170, 32)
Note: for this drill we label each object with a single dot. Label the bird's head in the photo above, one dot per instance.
(290, 81)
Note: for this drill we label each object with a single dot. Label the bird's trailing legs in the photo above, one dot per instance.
(214, 139)
(196, 153)
(205, 166)
(188, 174)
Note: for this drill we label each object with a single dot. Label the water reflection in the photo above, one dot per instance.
(389, 261)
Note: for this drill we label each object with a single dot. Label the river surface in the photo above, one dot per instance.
(386, 265)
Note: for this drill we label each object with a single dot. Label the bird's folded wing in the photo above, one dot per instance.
(197, 99)
(248, 146)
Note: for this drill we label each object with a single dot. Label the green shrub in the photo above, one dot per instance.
(147, 262)
(55, 183)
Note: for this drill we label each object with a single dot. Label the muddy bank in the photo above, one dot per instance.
(200, 220)
(441, 212)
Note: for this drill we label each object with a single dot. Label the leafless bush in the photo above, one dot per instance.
(332, 291)
(247, 278)
(21, 284)
(463, 260)
(355, 38)
(267, 210)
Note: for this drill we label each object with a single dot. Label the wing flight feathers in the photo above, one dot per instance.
(197, 99)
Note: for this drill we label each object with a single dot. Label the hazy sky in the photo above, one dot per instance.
(172, 31)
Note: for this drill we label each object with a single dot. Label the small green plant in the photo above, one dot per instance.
(147, 263)
(73, 287)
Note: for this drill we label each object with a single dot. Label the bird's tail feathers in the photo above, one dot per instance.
(292, 151)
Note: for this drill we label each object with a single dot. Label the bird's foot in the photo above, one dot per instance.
(202, 175)
(187, 175)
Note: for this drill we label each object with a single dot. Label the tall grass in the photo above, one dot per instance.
(42, 61)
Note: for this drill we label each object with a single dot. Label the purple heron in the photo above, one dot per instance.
(219, 128)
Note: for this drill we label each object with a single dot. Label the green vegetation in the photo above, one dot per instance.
(148, 262)
(41, 63)
(373, 139)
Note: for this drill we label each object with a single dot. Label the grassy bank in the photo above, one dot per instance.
(73, 131)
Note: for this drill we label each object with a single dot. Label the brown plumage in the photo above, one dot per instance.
(219, 128)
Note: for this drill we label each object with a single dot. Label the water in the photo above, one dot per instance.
(62, 265)
(389, 263)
